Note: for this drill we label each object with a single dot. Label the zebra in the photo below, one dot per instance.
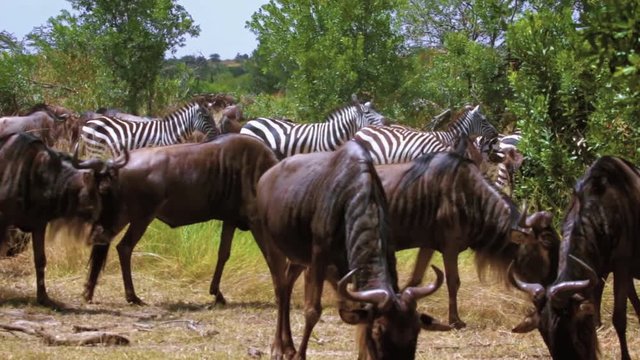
(103, 135)
(287, 138)
(397, 143)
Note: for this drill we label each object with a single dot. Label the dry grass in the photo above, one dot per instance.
(179, 322)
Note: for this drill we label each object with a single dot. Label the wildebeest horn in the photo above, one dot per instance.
(536, 291)
(523, 215)
(378, 297)
(416, 293)
(539, 220)
(560, 293)
(120, 161)
(91, 164)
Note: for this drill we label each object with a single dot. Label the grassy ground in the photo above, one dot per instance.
(172, 270)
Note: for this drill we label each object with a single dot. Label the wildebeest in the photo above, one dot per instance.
(38, 184)
(181, 185)
(600, 236)
(329, 209)
(441, 201)
(42, 121)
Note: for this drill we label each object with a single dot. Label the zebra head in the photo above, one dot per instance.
(203, 121)
(473, 124)
(366, 114)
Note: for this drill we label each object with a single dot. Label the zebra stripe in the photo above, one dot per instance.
(104, 135)
(286, 138)
(397, 143)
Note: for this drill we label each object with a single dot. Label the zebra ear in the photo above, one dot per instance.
(477, 108)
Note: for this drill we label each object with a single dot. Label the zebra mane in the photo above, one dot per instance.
(336, 112)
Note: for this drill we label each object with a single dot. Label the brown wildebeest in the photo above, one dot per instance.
(38, 184)
(600, 236)
(41, 123)
(441, 201)
(328, 208)
(181, 185)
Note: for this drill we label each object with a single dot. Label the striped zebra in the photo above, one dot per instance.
(286, 138)
(104, 135)
(397, 143)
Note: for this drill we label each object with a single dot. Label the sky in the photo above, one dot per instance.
(222, 23)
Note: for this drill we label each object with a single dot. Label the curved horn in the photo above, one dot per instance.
(378, 297)
(536, 291)
(91, 164)
(416, 293)
(523, 215)
(120, 161)
(539, 220)
(560, 293)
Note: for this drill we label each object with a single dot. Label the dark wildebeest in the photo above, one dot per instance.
(600, 236)
(39, 185)
(329, 209)
(181, 185)
(42, 121)
(441, 201)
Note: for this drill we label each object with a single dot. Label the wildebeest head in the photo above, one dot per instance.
(563, 315)
(389, 324)
(95, 184)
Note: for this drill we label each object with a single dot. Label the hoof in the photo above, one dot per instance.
(134, 300)
(458, 324)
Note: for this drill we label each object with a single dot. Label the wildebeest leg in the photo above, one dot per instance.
(125, 249)
(633, 297)
(597, 292)
(293, 271)
(422, 261)
(620, 286)
(223, 255)
(40, 259)
(313, 282)
(453, 284)
(282, 347)
(98, 259)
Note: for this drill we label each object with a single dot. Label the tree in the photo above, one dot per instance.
(428, 22)
(132, 36)
(320, 52)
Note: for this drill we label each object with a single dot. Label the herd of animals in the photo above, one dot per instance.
(334, 200)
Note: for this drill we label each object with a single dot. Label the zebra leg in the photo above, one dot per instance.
(422, 261)
(223, 255)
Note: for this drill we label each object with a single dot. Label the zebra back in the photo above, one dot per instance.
(287, 138)
(109, 136)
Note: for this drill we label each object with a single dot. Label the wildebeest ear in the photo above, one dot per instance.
(586, 308)
(429, 323)
(521, 236)
(529, 323)
(354, 317)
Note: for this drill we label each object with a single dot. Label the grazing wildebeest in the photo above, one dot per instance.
(43, 122)
(441, 201)
(600, 236)
(329, 209)
(38, 184)
(181, 185)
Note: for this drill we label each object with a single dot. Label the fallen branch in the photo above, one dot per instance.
(78, 339)
(84, 338)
